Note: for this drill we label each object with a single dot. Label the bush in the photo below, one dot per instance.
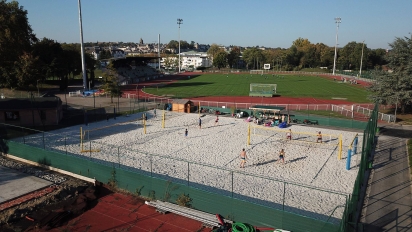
(184, 200)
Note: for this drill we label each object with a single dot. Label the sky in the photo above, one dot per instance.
(268, 23)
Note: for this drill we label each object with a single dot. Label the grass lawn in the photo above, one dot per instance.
(238, 85)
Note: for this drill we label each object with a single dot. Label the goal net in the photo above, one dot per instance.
(256, 72)
(264, 88)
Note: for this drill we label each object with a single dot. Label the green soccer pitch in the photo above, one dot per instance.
(239, 84)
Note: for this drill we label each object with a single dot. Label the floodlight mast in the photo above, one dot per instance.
(337, 21)
(361, 59)
(82, 48)
(179, 21)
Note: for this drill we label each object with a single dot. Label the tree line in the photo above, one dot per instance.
(26, 61)
(302, 54)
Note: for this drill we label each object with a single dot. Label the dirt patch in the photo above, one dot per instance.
(14, 218)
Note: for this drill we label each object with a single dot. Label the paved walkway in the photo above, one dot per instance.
(388, 201)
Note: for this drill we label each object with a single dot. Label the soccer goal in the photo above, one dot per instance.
(262, 90)
(256, 72)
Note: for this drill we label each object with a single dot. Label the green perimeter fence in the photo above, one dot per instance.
(353, 204)
(150, 175)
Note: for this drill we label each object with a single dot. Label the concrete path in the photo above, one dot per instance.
(14, 184)
(388, 201)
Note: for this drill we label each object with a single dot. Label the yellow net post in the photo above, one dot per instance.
(340, 148)
(248, 134)
(163, 119)
(144, 123)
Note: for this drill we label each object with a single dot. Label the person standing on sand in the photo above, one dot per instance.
(282, 156)
(200, 123)
(186, 133)
(217, 120)
(243, 157)
(154, 111)
(289, 134)
(319, 139)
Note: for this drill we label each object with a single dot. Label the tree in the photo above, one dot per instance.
(220, 60)
(395, 87)
(213, 51)
(233, 57)
(111, 84)
(252, 57)
(16, 38)
(28, 71)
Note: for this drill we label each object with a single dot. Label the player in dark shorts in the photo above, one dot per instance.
(282, 156)
(200, 123)
(217, 120)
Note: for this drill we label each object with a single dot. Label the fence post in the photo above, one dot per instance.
(118, 155)
(284, 193)
(188, 171)
(151, 166)
(355, 145)
(24, 139)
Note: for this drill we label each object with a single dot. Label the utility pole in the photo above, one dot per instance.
(337, 21)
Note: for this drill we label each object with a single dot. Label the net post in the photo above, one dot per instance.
(81, 139)
(340, 148)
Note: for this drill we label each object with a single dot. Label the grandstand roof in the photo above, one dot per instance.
(273, 108)
(136, 58)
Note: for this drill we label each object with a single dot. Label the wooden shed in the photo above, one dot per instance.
(182, 105)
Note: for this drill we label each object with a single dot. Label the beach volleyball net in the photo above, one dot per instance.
(328, 140)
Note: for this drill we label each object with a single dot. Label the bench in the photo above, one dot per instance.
(208, 220)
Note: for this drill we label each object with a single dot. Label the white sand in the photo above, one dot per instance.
(308, 165)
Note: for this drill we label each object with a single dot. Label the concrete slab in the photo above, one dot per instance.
(388, 205)
(14, 184)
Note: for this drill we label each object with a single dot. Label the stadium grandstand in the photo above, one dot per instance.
(135, 69)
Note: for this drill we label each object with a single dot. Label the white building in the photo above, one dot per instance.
(191, 60)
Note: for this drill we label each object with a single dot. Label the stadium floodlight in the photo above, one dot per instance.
(360, 70)
(337, 21)
(82, 48)
(179, 21)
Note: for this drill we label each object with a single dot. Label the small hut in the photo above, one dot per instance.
(182, 106)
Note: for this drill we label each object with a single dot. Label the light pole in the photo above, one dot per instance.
(360, 70)
(179, 21)
(337, 21)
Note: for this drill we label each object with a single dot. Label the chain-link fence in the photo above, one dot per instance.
(352, 209)
(212, 184)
